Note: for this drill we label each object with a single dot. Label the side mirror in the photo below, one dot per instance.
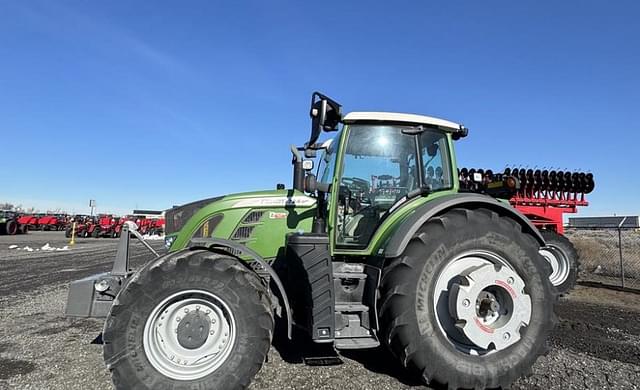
(325, 114)
(311, 184)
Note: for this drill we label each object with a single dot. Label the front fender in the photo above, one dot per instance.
(399, 240)
(222, 243)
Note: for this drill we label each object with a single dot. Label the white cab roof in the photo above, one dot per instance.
(399, 117)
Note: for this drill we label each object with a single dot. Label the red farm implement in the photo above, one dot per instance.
(544, 197)
(27, 222)
(52, 222)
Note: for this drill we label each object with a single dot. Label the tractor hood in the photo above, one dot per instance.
(178, 216)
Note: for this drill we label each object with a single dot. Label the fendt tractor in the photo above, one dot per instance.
(451, 282)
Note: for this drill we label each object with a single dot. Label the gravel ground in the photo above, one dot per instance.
(596, 345)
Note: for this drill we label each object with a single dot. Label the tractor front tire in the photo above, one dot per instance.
(197, 319)
(564, 260)
(469, 303)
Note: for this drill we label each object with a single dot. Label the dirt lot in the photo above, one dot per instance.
(597, 344)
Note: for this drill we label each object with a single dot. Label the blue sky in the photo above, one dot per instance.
(150, 104)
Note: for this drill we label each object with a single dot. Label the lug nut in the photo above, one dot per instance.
(506, 336)
(186, 309)
(510, 280)
(466, 303)
(177, 319)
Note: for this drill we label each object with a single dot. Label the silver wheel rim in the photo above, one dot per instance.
(560, 266)
(480, 303)
(169, 346)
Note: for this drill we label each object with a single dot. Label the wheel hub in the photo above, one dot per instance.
(486, 305)
(501, 308)
(193, 330)
(189, 335)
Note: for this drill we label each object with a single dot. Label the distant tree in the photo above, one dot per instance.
(6, 206)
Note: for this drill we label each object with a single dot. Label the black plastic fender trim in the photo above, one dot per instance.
(399, 240)
(219, 242)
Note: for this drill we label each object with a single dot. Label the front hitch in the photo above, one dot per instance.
(93, 296)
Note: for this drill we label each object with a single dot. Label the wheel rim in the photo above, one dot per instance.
(560, 265)
(480, 303)
(189, 335)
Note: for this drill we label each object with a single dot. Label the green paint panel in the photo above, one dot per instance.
(284, 211)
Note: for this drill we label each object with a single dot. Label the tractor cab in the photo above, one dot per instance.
(377, 162)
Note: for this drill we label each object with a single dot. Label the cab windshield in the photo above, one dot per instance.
(382, 164)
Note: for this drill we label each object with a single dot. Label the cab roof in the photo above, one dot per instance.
(365, 116)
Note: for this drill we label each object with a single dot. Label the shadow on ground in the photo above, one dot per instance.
(301, 350)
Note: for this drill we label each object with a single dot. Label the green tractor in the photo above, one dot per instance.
(9, 222)
(379, 246)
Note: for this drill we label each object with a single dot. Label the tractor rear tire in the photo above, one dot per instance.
(95, 233)
(67, 232)
(564, 259)
(148, 346)
(24, 229)
(463, 262)
(11, 227)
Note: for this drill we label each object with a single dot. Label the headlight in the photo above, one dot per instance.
(102, 285)
(168, 241)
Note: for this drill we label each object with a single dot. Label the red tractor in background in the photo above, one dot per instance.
(157, 226)
(107, 226)
(84, 226)
(543, 196)
(143, 223)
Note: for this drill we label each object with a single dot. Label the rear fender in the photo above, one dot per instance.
(399, 240)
